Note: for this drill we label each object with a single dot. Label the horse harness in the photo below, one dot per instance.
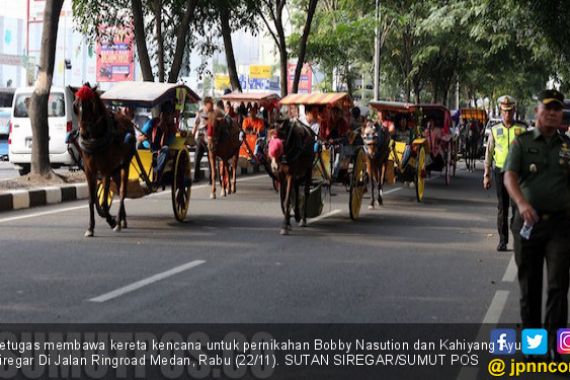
(93, 145)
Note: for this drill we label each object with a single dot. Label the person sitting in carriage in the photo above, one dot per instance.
(338, 132)
(312, 116)
(401, 130)
(254, 125)
(157, 134)
(437, 138)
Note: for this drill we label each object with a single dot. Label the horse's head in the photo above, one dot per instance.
(88, 108)
(370, 133)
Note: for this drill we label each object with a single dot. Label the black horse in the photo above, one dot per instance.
(292, 154)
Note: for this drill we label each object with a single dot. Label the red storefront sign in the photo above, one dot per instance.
(115, 54)
(306, 81)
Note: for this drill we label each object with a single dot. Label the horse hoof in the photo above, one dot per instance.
(371, 207)
(89, 233)
(284, 231)
(117, 228)
(303, 223)
(124, 224)
(213, 196)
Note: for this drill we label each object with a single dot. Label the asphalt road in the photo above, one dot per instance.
(406, 262)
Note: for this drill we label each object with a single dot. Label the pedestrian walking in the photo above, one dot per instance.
(537, 177)
(501, 137)
(200, 134)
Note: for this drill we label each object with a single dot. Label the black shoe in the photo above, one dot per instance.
(502, 247)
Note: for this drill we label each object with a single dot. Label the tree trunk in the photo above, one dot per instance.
(39, 101)
(303, 45)
(160, 42)
(140, 39)
(181, 34)
(284, 73)
(229, 48)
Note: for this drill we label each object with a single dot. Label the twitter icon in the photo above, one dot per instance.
(534, 341)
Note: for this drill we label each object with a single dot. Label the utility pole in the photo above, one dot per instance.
(377, 53)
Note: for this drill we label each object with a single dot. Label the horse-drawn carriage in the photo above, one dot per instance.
(408, 148)
(341, 160)
(142, 174)
(269, 101)
(472, 123)
(443, 143)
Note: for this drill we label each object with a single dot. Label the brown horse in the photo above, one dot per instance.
(107, 144)
(291, 151)
(225, 144)
(377, 147)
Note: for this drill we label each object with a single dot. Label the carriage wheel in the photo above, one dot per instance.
(448, 166)
(357, 184)
(102, 205)
(420, 178)
(181, 185)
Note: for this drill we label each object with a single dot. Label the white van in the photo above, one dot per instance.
(61, 121)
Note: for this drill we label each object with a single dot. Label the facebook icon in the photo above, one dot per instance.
(503, 341)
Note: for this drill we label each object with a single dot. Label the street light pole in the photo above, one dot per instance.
(377, 53)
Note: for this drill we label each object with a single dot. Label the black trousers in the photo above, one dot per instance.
(550, 242)
(201, 150)
(504, 202)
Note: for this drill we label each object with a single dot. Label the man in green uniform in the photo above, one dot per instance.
(537, 177)
(501, 137)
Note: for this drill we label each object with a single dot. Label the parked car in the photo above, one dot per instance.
(61, 121)
(5, 122)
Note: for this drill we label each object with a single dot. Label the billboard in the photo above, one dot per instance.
(115, 54)
(260, 72)
(306, 81)
(222, 81)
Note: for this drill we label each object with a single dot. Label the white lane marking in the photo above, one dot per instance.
(511, 272)
(314, 220)
(147, 281)
(492, 317)
(392, 190)
(496, 308)
(27, 216)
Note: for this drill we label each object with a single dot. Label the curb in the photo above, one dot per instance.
(20, 199)
(27, 198)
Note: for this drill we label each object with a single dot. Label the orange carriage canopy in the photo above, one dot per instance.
(318, 98)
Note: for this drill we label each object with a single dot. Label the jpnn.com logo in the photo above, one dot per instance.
(504, 342)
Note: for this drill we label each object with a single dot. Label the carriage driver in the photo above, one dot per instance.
(500, 139)
(161, 130)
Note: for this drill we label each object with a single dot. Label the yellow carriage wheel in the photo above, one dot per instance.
(103, 205)
(181, 185)
(420, 178)
(357, 184)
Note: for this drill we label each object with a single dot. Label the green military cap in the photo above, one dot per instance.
(551, 97)
(506, 102)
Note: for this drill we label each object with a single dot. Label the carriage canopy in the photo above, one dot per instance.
(267, 100)
(149, 94)
(474, 114)
(319, 99)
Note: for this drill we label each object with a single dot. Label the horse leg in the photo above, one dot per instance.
(307, 190)
(120, 180)
(212, 161)
(287, 203)
(110, 219)
(124, 184)
(381, 184)
(371, 175)
(297, 211)
(234, 173)
(92, 185)
(224, 176)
